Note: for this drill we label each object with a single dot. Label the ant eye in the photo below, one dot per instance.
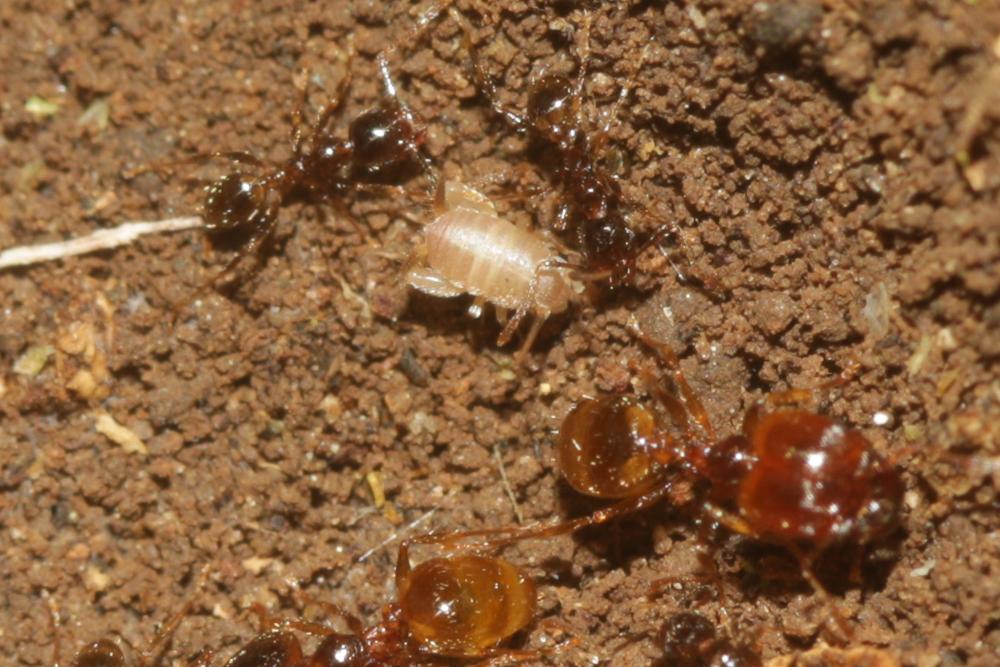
(232, 202)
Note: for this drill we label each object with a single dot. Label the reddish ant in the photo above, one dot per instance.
(793, 478)
(461, 607)
(689, 640)
(592, 214)
(382, 148)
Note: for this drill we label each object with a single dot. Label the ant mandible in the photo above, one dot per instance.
(794, 478)
(459, 607)
(592, 214)
(381, 149)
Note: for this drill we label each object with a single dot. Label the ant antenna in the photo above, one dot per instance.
(53, 609)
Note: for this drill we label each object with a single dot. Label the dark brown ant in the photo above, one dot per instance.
(592, 216)
(382, 148)
(689, 639)
(793, 478)
(106, 653)
(456, 608)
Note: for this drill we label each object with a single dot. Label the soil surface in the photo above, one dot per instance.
(834, 167)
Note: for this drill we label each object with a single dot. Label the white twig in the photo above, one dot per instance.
(102, 239)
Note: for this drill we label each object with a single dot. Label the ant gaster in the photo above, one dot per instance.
(382, 148)
(592, 215)
(460, 607)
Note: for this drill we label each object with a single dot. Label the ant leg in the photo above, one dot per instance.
(562, 217)
(731, 521)
(344, 212)
(601, 138)
(806, 563)
(204, 659)
(298, 115)
(502, 656)
(403, 567)
(353, 622)
(498, 537)
(508, 184)
(583, 56)
(794, 397)
(229, 274)
(394, 192)
(411, 145)
(233, 156)
(162, 639)
(691, 403)
(484, 82)
(262, 233)
(707, 284)
(336, 103)
(266, 622)
(53, 608)
(506, 656)
(242, 157)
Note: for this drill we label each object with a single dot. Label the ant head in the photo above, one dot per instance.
(885, 498)
(552, 107)
(608, 243)
(233, 202)
(686, 639)
(384, 141)
(341, 651)
(101, 653)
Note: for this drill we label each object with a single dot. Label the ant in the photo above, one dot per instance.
(459, 607)
(592, 213)
(690, 640)
(106, 653)
(792, 477)
(381, 149)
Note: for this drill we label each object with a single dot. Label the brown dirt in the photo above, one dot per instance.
(835, 165)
